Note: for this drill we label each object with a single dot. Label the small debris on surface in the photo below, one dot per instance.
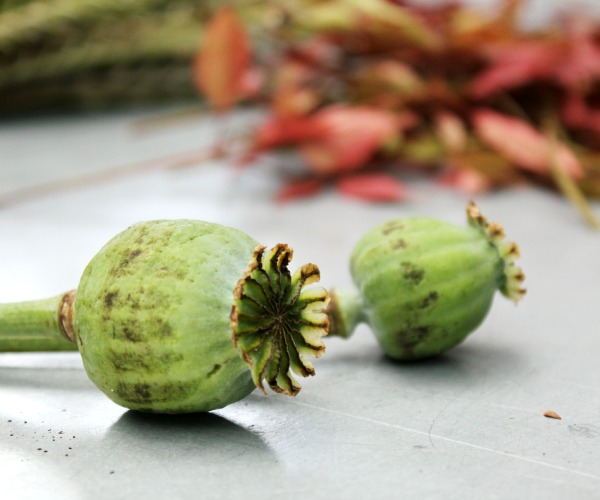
(552, 414)
(44, 435)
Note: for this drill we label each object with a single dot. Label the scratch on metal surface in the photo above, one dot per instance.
(447, 439)
(435, 419)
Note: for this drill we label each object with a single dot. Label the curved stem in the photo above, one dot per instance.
(345, 312)
(38, 325)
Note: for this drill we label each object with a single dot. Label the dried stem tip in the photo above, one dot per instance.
(276, 321)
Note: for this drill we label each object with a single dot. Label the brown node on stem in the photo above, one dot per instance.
(65, 315)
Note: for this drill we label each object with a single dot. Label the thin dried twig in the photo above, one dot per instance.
(565, 183)
(110, 174)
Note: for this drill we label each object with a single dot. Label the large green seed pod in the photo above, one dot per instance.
(158, 310)
(423, 285)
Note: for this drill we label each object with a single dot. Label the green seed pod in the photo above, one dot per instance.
(159, 309)
(423, 285)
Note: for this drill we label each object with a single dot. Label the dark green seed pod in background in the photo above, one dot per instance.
(423, 285)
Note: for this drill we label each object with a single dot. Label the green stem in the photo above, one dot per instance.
(39, 325)
(345, 312)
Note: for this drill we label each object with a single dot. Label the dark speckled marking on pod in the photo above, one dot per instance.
(144, 393)
(109, 298)
(411, 273)
(214, 370)
(409, 337)
(391, 226)
(399, 244)
(429, 300)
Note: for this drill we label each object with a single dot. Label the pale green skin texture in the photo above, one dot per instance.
(152, 317)
(425, 284)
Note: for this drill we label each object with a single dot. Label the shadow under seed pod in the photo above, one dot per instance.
(460, 367)
(204, 436)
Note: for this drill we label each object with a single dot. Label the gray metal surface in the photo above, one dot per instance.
(469, 424)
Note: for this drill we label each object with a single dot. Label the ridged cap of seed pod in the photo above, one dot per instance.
(277, 322)
(509, 252)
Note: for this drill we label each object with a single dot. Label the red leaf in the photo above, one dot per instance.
(580, 68)
(578, 114)
(515, 64)
(521, 144)
(336, 138)
(251, 83)
(372, 187)
(282, 131)
(352, 135)
(300, 188)
(466, 179)
(223, 59)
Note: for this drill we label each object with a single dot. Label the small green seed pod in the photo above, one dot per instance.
(156, 317)
(423, 285)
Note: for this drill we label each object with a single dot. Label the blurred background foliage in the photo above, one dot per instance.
(97, 53)
(352, 86)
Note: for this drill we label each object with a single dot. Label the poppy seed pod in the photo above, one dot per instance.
(184, 316)
(423, 285)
